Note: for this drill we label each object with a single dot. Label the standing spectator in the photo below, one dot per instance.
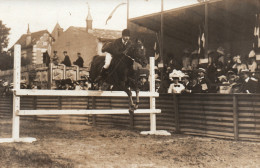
(252, 65)
(55, 58)
(157, 84)
(46, 58)
(249, 85)
(176, 87)
(186, 60)
(203, 81)
(79, 61)
(194, 60)
(221, 55)
(66, 60)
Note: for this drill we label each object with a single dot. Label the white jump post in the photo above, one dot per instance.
(153, 130)
(16, 100)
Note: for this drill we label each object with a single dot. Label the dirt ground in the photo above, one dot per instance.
(117, 148)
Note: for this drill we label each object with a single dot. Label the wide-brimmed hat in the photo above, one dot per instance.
(251, 54)
(201, 70)
(64, 52)
(221, 51)
(245, 71)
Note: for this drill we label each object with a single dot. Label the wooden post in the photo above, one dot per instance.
(59, 103)
(93, 107)
(176, 112)
(152, 99)
(16, 99)
(35, 106)
(235, 117)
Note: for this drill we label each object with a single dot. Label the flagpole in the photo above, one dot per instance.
(127, 14)
(162, 34)
(206, 30)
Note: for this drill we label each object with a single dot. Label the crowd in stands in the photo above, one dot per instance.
(220, 74)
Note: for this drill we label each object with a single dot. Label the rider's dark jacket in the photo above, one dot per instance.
(116, 48)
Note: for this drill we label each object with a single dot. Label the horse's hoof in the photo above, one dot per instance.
(136, 106)
(131, 111)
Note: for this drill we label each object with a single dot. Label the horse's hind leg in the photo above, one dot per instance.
(137, 98)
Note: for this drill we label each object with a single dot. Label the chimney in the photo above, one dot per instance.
(89, 20)
(28, 37)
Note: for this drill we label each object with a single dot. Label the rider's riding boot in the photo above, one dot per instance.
(102, 74)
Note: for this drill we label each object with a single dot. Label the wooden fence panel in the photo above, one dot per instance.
(249, 117)
(207, 115)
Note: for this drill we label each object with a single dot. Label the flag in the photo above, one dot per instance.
(201, 42)
(111, 14)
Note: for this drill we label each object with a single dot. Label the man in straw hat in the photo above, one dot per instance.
(249, 85)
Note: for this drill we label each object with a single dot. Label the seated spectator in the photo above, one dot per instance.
(157, 84)
(203, 81)
(252, 65)
(195, 87)
(249, 85)
(175, 87)
(79, 61)
(143, 83)
(55, 58)
(239, 65)
(164, 84)
(66, 60)
(186, 83)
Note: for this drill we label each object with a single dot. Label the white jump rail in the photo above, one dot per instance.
(17, 92)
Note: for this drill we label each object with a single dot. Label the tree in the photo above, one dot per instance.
(4, 32)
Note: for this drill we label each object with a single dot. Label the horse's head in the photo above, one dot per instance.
(138, 52)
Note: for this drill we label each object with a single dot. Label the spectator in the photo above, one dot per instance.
(164, 84)
(186, 83)
(195, 87)
(252, 65)
(203, 81)
(55, 58)
(143, 83)
(79, 61)
(157, 84)
(186, 60)
(221, 55)
(46, 58)
(194, 60)
(239, 65)
(66, 60)
(175, 87)
(249, 85)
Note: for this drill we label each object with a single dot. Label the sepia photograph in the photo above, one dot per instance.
(130, 84)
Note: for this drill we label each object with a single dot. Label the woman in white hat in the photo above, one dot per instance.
(252, 65)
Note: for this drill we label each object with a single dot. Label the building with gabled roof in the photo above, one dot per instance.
(34, 46)
(85, 40)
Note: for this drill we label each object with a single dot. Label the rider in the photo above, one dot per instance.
(116, 48)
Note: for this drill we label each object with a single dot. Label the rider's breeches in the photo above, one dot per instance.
(107, 60)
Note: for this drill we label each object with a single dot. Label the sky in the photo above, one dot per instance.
(42, 15)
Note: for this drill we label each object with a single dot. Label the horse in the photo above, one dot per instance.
(120, 72)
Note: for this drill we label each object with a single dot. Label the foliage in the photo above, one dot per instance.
(4, 32)
(6, 61)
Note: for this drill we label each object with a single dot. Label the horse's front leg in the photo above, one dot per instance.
(130, 98)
